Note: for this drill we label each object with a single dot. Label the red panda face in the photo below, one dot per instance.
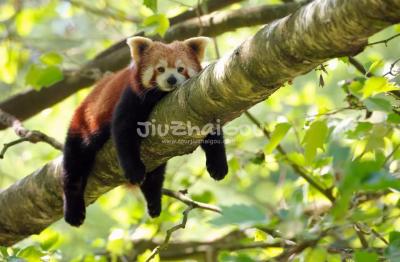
(166, 66)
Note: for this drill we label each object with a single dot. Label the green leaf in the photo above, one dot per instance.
(361, 130)
(51, 58)
(317, 255)
(378, 104)
(260, 236)
(157, 24)
(356, 173)
(376, 85)
(380, 181)
(239, 214)
(355, 88)
(375, 65)
(369, 214)
(394, 236)
(277, 135)
(206, 196)
(393, 250)
(394, 118)
(39, 76)
(315, 138)
(116, 246)
(32, 75)
(25, 21)
(152, 4)
(50, 75)
(48, 239)
(375, 141)
(344, 59)
(30, 253)
(234, 164)
(297, 158)
(363, 256)
(3, 251)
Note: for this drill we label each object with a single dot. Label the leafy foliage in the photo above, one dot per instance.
(152, 4)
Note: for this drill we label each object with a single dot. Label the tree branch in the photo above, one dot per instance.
(198, 249)
(204, 8)
(188, 201)
(191, 204)
(220, 22)
(32, 136)
(257, 68)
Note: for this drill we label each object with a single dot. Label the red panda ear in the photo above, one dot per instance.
(198, 45)
(138, 45)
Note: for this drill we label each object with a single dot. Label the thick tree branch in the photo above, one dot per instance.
(279, 52)
(31, 102)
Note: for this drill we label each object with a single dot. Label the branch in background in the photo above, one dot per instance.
(392, 70)
(31, 102)
(199, 250)
(181, 196)
(357, 65)
(386, 41)
(204, 8)
(191, 204)
(221, 22)
(169, 233)
(257, 68)
(32, 136)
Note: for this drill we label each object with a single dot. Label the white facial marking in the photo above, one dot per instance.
(162, 63)
(147, 75)
(191, 72)
(162, 78)
(179, 63)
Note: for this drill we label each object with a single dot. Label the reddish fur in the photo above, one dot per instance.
(96, 110)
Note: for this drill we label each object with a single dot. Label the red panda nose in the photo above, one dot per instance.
(171, 80)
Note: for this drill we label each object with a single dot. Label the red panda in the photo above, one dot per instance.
(114, 108)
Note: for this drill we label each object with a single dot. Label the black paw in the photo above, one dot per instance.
(217, 170)
(74, 212)
(154, 210)
(136, 175)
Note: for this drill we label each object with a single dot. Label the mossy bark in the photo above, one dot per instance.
(279, 52)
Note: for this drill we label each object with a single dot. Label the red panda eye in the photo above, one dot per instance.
(180, 69)
(161, 69)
